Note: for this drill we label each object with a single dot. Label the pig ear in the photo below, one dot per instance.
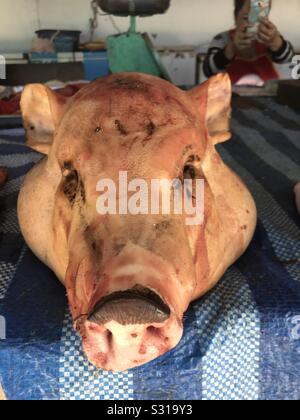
(214, 100)
(42, 111)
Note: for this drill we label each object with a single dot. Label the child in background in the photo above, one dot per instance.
(248, 56)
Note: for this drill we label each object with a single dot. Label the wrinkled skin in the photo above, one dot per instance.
(130, 279)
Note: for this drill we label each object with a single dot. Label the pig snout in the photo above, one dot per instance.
(131, 307)
(130, 328)
(134, 314)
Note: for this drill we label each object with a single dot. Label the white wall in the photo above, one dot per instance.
(188, 22)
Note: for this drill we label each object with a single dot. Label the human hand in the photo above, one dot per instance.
(242, 38)
(242, 41)
(269, 35)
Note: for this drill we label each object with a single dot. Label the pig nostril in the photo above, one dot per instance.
(109, 336)
(152, 330)
(156, 332)
(109, 339)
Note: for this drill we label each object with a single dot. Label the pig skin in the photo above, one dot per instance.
(151, 129)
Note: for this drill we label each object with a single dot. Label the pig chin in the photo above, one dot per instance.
(133, 316)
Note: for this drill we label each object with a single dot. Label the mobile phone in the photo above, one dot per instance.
(259, 9)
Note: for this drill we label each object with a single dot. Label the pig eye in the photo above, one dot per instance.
(192, 168)
(192, 171)
(189, 172)
(70, 186)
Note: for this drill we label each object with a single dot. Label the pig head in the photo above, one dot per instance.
(130, 278)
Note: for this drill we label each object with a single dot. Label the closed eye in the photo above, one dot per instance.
(189, 172)
(70, 186)
(192, 171)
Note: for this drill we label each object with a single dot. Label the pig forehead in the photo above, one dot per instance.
(113, 118)
(132, 86)
(141, 151)
(134, 103)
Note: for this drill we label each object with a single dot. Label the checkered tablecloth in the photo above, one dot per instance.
(241, 341)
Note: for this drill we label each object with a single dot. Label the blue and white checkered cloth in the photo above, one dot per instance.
(241, 341)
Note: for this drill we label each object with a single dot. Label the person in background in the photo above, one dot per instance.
(246, 55)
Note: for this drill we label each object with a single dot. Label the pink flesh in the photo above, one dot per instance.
(149, 128)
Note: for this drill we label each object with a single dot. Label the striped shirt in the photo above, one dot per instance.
(217, 62)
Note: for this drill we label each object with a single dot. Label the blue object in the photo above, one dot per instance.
(95, 65)
(241, 341)
(64, 44)
(64, 41)
(43, 57)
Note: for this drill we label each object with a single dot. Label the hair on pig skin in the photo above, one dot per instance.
(297, 193)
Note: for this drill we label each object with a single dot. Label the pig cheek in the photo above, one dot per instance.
(85, 282)
(70, 283)
(61, 223)
(76, 290)
(197, 239)
(62, 219)
(195, 233)
(61, 227)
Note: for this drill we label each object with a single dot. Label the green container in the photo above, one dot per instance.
(130, 53)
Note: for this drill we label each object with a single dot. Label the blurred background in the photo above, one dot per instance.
(187, 22)
(59, 42)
